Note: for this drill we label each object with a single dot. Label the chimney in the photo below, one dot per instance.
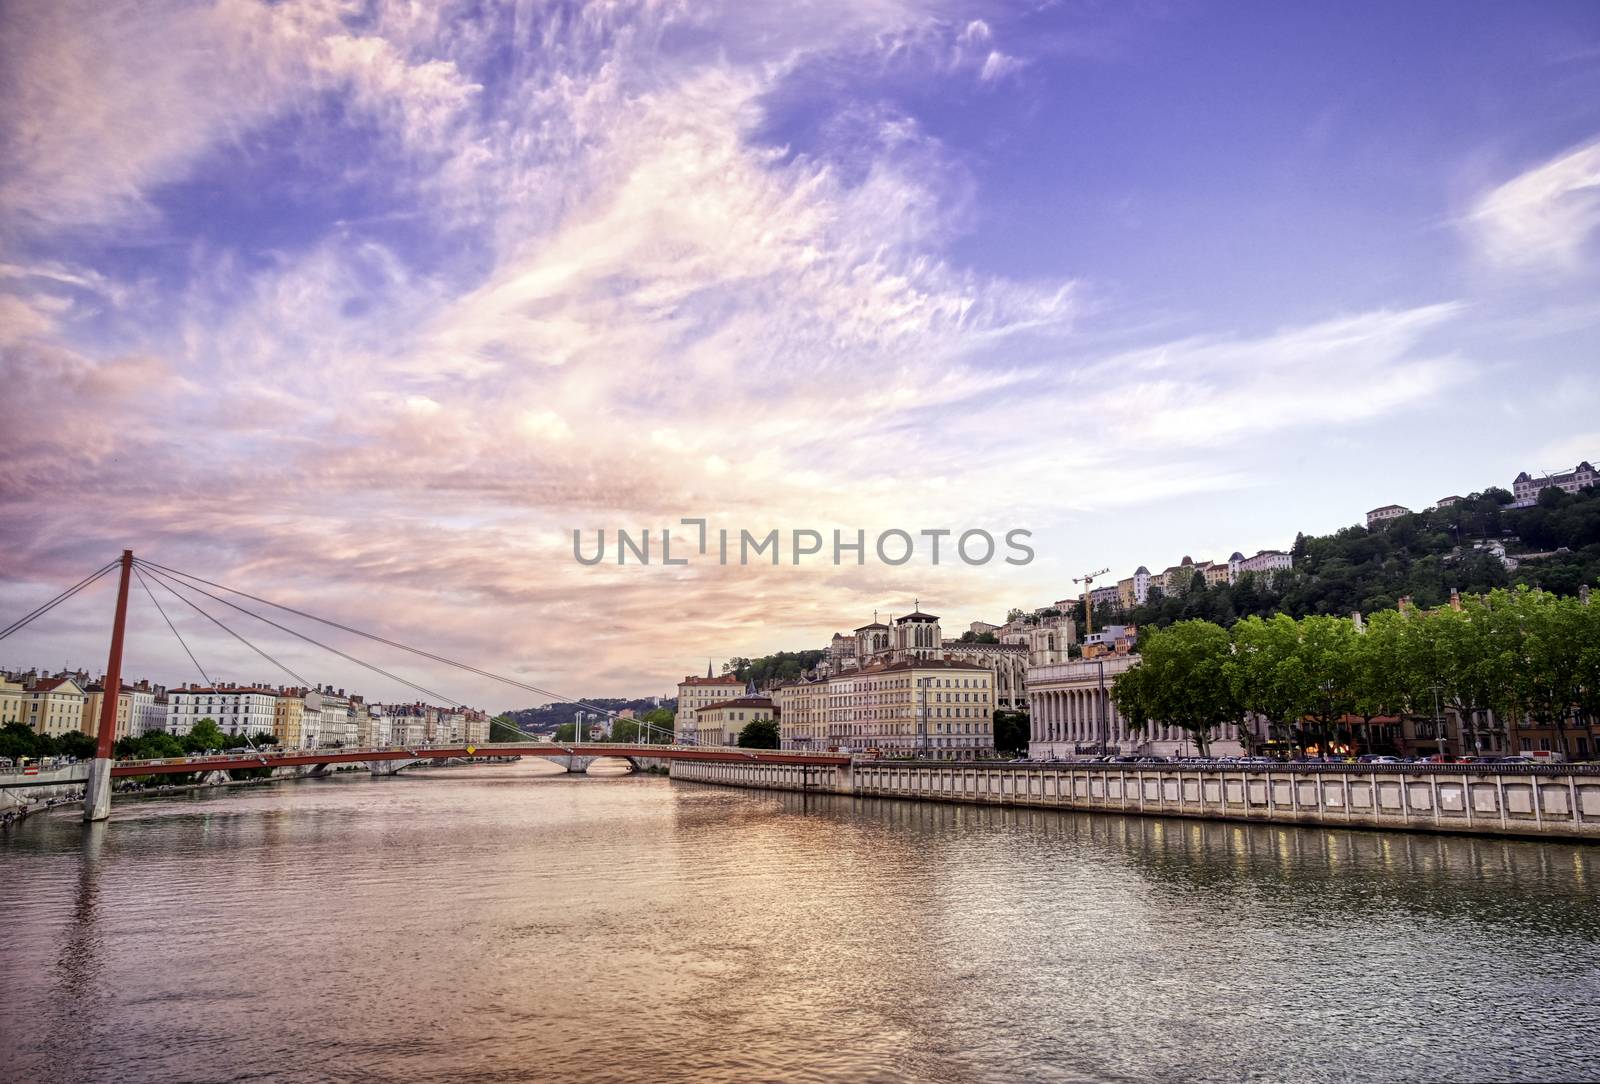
(1455, 600)
(1583, 594)
(1405, 604)
(1355, 619)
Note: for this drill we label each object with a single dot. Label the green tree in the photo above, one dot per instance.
(17, 740)
(1262, 675)
(1011, 732)
(204, 735)
(660, 726)
(1181, 680)
(759, 734)
(75, 743)
(502, 729)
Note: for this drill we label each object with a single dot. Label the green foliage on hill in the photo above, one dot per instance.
(1556, 545)
(769, 669)
(545, 718)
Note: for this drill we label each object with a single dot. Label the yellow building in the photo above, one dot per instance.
(11, 697)
(94, 697)
(53, 706)
(940, 707)
(288, 718)
(720, 723)
(697, 693)
(800, 706)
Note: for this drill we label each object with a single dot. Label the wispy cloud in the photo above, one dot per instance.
(1544, 217)
(643, 309)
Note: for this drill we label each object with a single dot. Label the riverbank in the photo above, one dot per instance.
(1539, 802)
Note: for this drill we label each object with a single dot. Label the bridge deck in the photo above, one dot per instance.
(125, 768)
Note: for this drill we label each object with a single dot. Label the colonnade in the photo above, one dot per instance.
(1074, 716)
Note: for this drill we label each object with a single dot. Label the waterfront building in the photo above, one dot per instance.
(409, 724)
(311, 720)
(1527, 487)
(695, 693)
(248, 710)
(1386, 512)
(379, 732)
(1071, 711)
(133, 705)
(11, 696)
(338, 724)
(941, 707)
(802, 713)
(53, 705)
(288, 719)
(150, 712)
(721, 722)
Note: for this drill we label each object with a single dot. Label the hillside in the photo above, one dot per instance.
(549, 716)
(1554, 545)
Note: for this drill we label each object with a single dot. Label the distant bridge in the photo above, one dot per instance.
(574, 756)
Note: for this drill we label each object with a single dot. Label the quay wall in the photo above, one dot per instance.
(1542, 801)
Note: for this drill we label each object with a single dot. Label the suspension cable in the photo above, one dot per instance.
(162, 579)
(561, 697)
(145, 584)
(40, 611)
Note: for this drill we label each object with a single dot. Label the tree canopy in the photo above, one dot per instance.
(759, 734)
(1519, 653)
(1555, 546)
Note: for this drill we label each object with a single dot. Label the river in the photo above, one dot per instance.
(512, 923)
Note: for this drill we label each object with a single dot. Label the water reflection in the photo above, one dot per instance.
(518, 922)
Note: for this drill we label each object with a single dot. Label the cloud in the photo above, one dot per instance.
(1563, 454)
(1544, 217)
(998, 65)
(108, 99)
(658, 315)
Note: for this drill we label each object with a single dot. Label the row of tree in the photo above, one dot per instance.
(18, 741)
(1518, 654)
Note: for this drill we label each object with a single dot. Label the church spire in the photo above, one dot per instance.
(708, 668)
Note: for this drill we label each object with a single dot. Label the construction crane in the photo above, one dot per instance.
(1087, 579)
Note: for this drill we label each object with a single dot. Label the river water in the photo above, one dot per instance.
(510, 923)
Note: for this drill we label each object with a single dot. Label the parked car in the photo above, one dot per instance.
(1517, 759)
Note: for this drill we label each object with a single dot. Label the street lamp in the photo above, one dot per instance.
(1101, 700)
(1438, 726)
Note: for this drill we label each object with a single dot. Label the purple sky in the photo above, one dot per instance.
(366, 306)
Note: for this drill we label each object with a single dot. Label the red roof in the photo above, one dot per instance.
(44, 685)
(726, 679)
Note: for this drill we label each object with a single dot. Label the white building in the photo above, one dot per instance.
(380, 724)
(1266, 563)
(1384, 513)
(1527, 487)
(236, 709)
(337, 725)
(1071, 713)
(150, 713)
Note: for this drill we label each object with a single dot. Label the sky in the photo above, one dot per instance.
(366, 307)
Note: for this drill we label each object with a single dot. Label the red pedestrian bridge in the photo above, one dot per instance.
(567, 752)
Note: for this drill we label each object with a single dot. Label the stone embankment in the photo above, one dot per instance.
(1551, 801)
